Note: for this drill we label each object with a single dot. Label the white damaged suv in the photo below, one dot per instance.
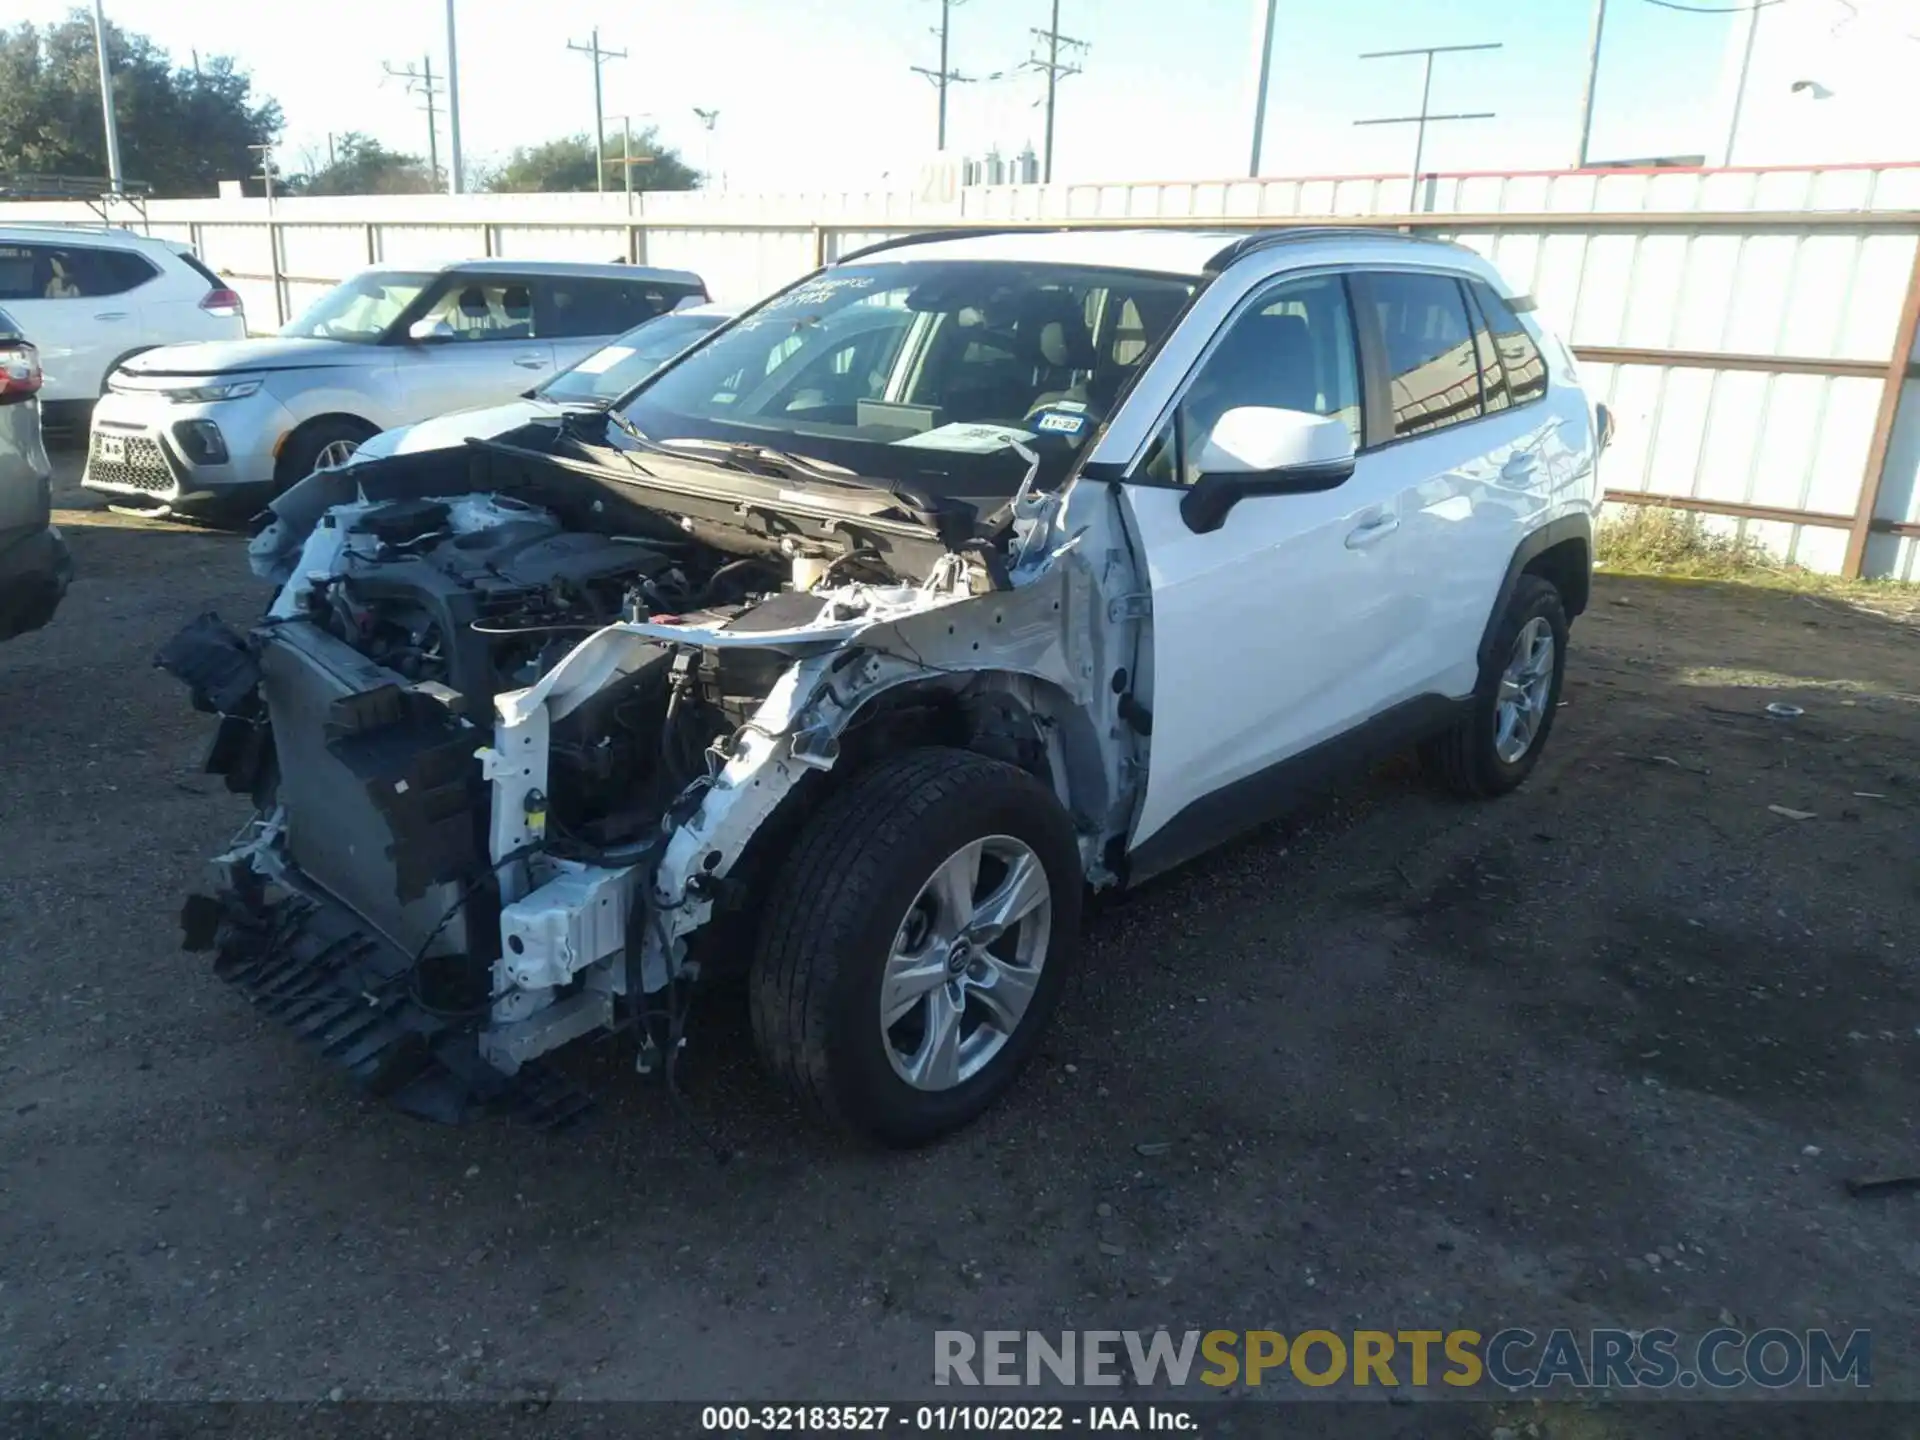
(851, 647)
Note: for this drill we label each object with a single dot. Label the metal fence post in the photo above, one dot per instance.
(373, 243)
(1899, 366)
(279, 273)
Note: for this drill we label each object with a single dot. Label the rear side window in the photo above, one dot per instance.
(61, 271)
(1433, 371)
(581, 308)
(193, 264)
(1520, 359)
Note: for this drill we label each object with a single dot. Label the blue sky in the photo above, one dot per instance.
(816, 95)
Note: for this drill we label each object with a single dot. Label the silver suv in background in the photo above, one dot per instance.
(93, 298)
(35, 567)
(220, 429)
(593, 384)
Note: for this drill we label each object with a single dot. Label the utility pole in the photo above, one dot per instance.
(627, 158)
(709, 118)
(456, 179)
(1055, 69)
(266, 171)
(423, 82)
(1425, 117)
(116, 182)
(1593, 83)
(1740, 87)
(1260, 90)
(600, 57)
(945, 75)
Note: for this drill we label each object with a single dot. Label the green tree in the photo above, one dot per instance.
(361, 165)
(181, 130)
(567, 164)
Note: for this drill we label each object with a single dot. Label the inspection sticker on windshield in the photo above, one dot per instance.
(973, 439)
(603, 360)
(1060, 422)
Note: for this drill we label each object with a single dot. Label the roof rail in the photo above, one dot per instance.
(1266, 238)
(961, 232)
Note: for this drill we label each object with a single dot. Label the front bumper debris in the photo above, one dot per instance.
(311, 964)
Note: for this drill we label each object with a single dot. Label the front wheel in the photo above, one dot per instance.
(321, 445)
(916, 943)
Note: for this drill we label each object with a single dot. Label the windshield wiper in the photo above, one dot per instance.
(954, 521)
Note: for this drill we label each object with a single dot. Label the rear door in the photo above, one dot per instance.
(79, 303)
(484, 348)
(1473, 462)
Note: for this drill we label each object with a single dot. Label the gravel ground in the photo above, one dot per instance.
(1600, 1054)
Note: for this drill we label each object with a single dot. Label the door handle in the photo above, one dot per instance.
(1372, 532)
(531, 362)
(111, 315)
(1520, 467)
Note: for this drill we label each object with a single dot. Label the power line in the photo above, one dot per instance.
(1055, 69)
(600, 58)
(424, 82)
(1425, 117)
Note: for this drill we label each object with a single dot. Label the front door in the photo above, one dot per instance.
(1276, 631)
(482, 349)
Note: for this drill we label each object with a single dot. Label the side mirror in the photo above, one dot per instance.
(1602, 426)
(1264, 450)
(430, 330)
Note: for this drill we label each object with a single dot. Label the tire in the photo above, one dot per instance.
(301, 457)
(859, 886)
(1475, 759)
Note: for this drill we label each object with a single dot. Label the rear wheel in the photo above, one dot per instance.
(916, 943)
(1495, 745)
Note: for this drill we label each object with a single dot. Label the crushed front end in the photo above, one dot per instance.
(513, 733)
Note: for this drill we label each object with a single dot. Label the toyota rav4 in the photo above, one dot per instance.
(851, 648)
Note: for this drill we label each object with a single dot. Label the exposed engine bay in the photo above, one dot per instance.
(523, 732)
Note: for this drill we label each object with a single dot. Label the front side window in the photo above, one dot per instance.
(614, 369)
(1292, 349)
(921, 369)
(1433, 370)
(472, 309)
(362, 309)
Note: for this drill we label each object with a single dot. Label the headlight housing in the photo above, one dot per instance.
(224, 390)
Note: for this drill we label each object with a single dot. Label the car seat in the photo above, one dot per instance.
(1053, 332)
(473, 311)
(517, 301)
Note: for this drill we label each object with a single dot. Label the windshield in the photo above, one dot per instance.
(923, 371)
(360, 310)
(615, 369)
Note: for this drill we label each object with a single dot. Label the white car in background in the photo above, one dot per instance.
(595, 383)
(92, 299)
(218, 430)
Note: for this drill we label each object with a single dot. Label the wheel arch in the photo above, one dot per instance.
(118, 361)
(1559, 552)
